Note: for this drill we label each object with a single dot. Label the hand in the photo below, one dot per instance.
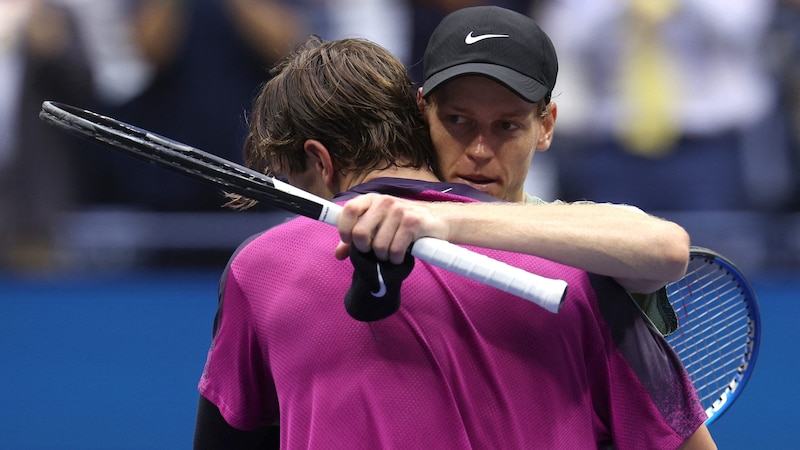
(387, 225)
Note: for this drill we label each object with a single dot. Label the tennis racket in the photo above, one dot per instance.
(229, 176)
(719, 329)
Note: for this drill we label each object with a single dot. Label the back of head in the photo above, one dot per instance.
(493, 42)
(353, 96)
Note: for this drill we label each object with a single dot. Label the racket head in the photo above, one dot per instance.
(238, 179)
(182, 158)
(719, 330)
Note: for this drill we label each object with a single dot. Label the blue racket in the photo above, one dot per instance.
(719, 329)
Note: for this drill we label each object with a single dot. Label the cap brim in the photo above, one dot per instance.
(525, 87)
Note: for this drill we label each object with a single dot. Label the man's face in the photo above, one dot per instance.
(485, 135)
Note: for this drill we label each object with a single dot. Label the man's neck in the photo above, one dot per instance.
(411, 173)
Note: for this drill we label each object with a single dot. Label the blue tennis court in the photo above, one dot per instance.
(112, 362)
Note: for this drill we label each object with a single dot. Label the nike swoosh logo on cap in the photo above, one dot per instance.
(382, 286)
(470, 39)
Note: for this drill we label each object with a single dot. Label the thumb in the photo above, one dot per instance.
(342, 251)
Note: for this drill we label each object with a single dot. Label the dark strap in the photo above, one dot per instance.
(375, 291)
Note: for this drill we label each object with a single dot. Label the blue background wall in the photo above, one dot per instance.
(112, 362)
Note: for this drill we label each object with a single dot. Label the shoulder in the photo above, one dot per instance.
(533, 200)
(285, 248)
(418, 190)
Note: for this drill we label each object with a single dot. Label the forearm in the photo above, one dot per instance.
(641, 251)
(272, 28)
(700, 440)
(159, 28)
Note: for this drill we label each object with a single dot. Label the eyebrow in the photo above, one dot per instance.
(511, 113)
(521, 112)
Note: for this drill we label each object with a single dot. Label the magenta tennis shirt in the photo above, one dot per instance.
(460, 365)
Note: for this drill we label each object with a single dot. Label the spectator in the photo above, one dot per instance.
(703, 58)
(42, 55)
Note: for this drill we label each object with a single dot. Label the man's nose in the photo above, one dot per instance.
(479, 149)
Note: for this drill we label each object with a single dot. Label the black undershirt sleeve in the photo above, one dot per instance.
(213, 432)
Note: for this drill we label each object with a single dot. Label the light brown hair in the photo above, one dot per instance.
(353, 96)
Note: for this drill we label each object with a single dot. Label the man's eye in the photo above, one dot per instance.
(454, 119)
(508, 126)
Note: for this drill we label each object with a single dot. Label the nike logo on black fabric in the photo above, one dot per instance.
(470, 39)
(382, 286)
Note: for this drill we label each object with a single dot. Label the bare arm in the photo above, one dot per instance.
(271, 27)
(642, 252)
(159, 28)
(700, 440)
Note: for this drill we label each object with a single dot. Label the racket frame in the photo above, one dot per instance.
(232, 177)
(739, 379)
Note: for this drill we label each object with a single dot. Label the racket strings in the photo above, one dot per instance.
(699, 362)
(713, 337)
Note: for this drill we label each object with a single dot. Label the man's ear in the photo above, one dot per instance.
(319, 159)
(421, 102)
(548, 128)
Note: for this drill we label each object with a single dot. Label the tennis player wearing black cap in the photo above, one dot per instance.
(489, 75)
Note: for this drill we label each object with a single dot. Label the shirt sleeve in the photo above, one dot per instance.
(651, 400)
(235, 378)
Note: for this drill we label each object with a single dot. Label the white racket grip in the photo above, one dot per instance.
(545, 292)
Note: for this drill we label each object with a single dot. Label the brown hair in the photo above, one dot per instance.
(353, 96)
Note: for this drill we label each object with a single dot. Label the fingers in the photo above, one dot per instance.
(379, 223)
(355, 224)
(390, 239)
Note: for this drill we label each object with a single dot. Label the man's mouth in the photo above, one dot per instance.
(478, 182)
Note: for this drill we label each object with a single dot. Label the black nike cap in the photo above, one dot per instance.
(494, 42)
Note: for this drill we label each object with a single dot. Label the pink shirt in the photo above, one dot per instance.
(460, 365)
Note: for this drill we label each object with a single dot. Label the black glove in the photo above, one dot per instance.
(375, 292)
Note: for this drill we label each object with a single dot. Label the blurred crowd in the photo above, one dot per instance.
(668, 105)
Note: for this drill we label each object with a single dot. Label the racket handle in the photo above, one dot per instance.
(545, 292)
